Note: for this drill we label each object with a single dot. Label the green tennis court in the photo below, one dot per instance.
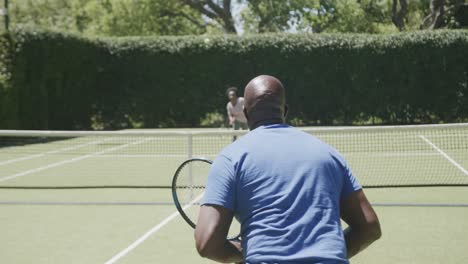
(103, 197)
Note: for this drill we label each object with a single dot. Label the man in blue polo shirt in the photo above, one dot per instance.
(288, 190)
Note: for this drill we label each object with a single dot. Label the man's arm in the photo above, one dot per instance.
(231, 117)
(364, 226)
(211, 235)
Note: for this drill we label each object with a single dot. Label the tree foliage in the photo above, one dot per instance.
(446, 13)
(109, 17)
(181, 17)
(219, 11)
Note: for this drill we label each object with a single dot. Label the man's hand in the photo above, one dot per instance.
(232, 120)
(238, 245)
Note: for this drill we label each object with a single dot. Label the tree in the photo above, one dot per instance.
(109, 17)
(260, 16)
(435, 18)
(219, 11)
(446, 13)
(46, 13)
(274, 16)
(369, 16)
(399, 14)
(182, 17)
(144, 17)
(372, 16)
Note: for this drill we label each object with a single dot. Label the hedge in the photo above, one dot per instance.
(57, 80)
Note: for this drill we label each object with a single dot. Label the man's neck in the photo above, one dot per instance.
(266, 122)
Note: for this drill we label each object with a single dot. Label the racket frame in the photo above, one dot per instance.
(174, 188)
(176, 199)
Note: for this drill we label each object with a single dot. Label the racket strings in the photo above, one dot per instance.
(188, 190)
(190, 186)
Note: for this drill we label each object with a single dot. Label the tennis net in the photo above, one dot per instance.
(380, 156)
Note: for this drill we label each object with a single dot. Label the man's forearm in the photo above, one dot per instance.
(357, 241)
(228, 253)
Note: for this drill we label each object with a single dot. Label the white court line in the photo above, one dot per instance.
(444, 155)
(52, 152)
(57, 164)
(150, 232)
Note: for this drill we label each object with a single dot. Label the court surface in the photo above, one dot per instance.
(105, 199)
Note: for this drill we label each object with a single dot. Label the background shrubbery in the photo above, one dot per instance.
(53, 80)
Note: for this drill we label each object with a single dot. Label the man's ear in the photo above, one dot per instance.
(245, 113)
(286, 110)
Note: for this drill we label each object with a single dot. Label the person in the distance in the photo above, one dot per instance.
(235, 109)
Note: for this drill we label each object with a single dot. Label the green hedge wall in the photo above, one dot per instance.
(62, 81)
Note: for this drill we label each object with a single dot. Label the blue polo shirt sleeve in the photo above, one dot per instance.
(221, 185)
(350, 183)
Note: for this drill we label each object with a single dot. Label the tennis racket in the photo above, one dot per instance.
(188, 188)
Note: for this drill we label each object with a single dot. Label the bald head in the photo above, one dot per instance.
(265, 101)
